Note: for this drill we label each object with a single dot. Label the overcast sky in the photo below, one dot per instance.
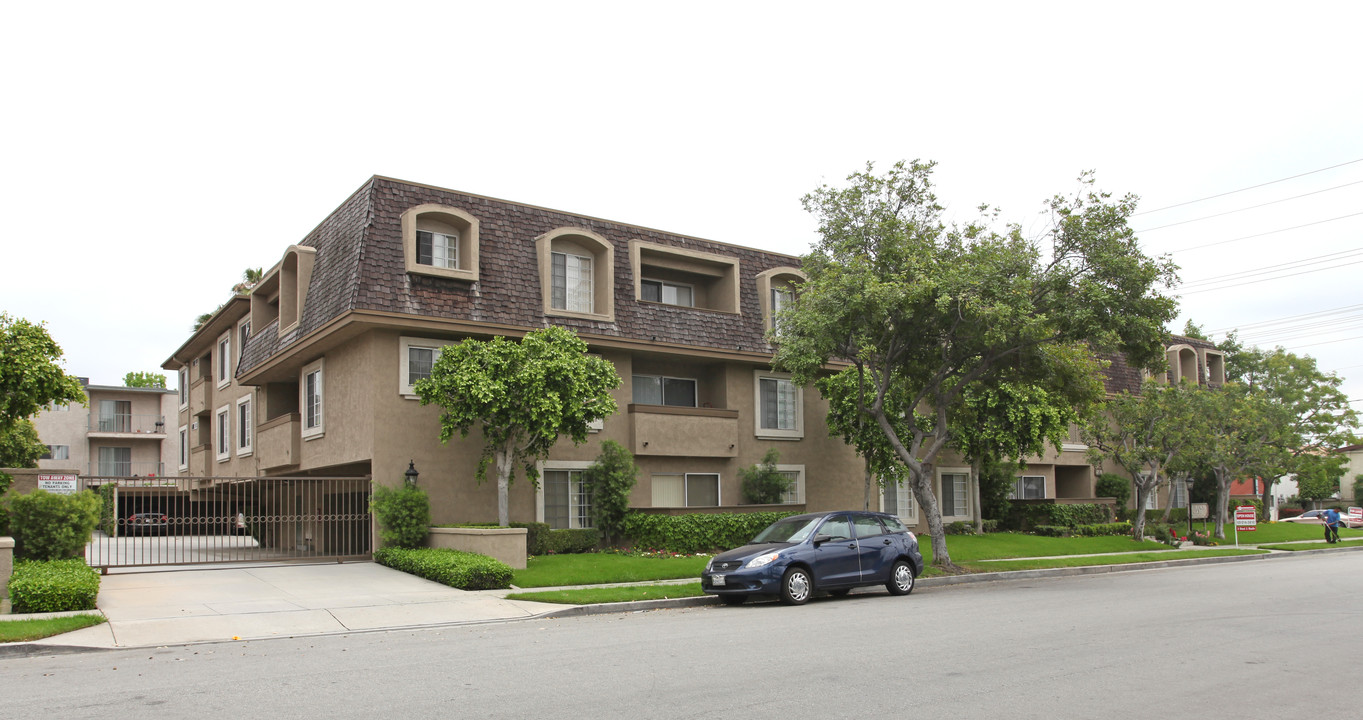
(152, 152)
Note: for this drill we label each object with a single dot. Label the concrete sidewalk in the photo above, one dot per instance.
(149, 609)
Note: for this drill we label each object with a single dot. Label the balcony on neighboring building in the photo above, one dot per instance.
(125, 425)
(683, 431)
(118, 468)
(277, 441)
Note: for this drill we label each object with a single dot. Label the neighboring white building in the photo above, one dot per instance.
(122, 431)
(1351, 471)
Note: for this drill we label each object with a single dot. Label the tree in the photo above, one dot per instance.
(144, 380)
(921, 311)
(249, 279)
(1144, 435)
(1233, 435)
(609, 482)
(20, 446)
(30, 376)
(1318, 476)
(522, 395)
(763, 484)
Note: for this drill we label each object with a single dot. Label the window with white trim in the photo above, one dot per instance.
(1029, 487)
(955, 493)
(667, 293)
(441, 241)
(245, 425)
(438, 249)
(184, 447)
(416, 358)
(57, 452)
(572, 283)
(1178, 492)
(686, 490)
(224, 428)
(897, 499)
(795, 491)
(780, 406)
(225, 359)
(566, 502)
(310, 400)
(184, 388)
(663, 390)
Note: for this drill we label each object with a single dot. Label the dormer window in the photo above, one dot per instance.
(441, 241)
(572, 289)
(671, 275)
(577, 274)
(667, 293)
(776, 290)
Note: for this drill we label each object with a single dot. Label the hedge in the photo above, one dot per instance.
(49, 526)
(53, 586)
(696, 533)
(466, 571)
(1028, 516)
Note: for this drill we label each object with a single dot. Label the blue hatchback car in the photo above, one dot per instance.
(831, 551)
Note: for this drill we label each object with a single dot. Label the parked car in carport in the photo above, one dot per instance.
(832, 552)
(146, 523)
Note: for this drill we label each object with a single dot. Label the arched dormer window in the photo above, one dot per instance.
(441, 241)
(776, 290)
(281, 293)
(1183, 364)
(577, 274)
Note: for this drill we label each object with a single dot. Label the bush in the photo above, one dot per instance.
(5, 481)
(107, 522)
(562, 542)
(536, 536)
(990, 525)
(696, 533)
(462, 570)
(1030, 515)
(48, 526)
(1112, 528)
(1114, 486)
(960, 527)
(610, 480)
(1051, 530)
(53, 586)
(1162, 533)
(404, 515)
(764, 484)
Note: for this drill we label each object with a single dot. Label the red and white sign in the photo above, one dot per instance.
(1245, 518)
(1356, 513)
(59, 484)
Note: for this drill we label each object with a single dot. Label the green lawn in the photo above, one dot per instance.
(598, 568)
(590, 596)
(25, 630)
(998, 546)
(1139, 557)
(1293, 547)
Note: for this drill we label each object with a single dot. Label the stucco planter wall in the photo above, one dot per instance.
(6, 569)
(505, 544)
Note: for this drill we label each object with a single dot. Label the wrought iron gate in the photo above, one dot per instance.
(190, 521)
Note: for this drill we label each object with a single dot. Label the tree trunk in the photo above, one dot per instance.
(1138, 525)
(866, 503)
(503, 486)
(921, 479)
(975, 498)
(1222, 501)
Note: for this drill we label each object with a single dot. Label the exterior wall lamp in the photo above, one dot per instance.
(410, 475)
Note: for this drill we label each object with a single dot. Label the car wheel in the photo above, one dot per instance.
(840, 592)
(796, 586)
(901, 578)
(733, 599)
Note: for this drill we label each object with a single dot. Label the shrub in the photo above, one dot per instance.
(48, 526)
(610, 480)
(1051, 530)
(696, 533)
(990, 525)
(5, 481)
(562, 542)
(764, 484)
(404, 515)
(1112, 528)
(462, 570)
(1162, 533)
(108, 524)
(960, 527)
(1114, 486)
(53, 586)
(1030, 515)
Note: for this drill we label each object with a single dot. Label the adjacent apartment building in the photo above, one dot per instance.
(122, 431)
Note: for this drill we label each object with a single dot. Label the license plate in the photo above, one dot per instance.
(717, 580)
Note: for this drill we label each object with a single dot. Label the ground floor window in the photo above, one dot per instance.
(955, 495)
(686, 490)
(566, 501)
(1178, 493)
(1029, 487)
(898, 500)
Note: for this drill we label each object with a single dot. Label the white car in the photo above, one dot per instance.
(1317, 517)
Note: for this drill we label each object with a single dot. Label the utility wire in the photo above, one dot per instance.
(1251, 187)
(1251, 207)
(1261, 280)
(1291, 265)
(1262, 234)
(1289, 318)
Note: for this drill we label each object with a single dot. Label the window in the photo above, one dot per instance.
(661, 390)
(440, 249)
(224, 428)
(781, 298)
(780, 412)
(245, 426)
(243, 334)
(441, 241)
(184, 447)
(572, 285)
(686, 490)
(1029, 487)
(667, 293)
(776, 291)
(955, 494)
(184, 388)
(224, 359)
(867, 526)
(54, 407)
(795, 491)
(415, 359)
(115, 416)
(116, 461)
(1178, 492)
(898, 500)
(566, 502)
(57, 452)
(311, 400)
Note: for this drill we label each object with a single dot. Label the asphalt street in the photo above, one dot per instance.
(1244, 640)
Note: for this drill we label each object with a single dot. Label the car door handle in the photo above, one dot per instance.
(851, 546)
(887, 541)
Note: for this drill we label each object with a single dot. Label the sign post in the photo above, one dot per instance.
(1245, 518)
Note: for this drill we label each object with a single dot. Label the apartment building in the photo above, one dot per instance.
(311, 374)
(122, 431)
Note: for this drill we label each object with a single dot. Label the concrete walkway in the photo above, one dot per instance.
(149, 609)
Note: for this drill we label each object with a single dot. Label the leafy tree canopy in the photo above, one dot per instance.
(522, 395)
(923, 311)
(144, 380)
(30, 374)
(20, 446)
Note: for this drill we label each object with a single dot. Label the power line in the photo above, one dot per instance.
(1280, 277)
(1251, 187)
(1270, 232)
(1251, 207)
(1291, 265)
(1289, 318)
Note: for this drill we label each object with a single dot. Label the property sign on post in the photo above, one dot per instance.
(59, 484)
(1356, 513)
(1245, 518)
(1199, 511)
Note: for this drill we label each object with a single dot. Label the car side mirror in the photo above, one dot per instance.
(821, 539)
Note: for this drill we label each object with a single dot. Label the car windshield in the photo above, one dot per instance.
(791, 530)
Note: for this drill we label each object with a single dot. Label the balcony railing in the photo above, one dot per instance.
(126, 469)
(128, 424)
